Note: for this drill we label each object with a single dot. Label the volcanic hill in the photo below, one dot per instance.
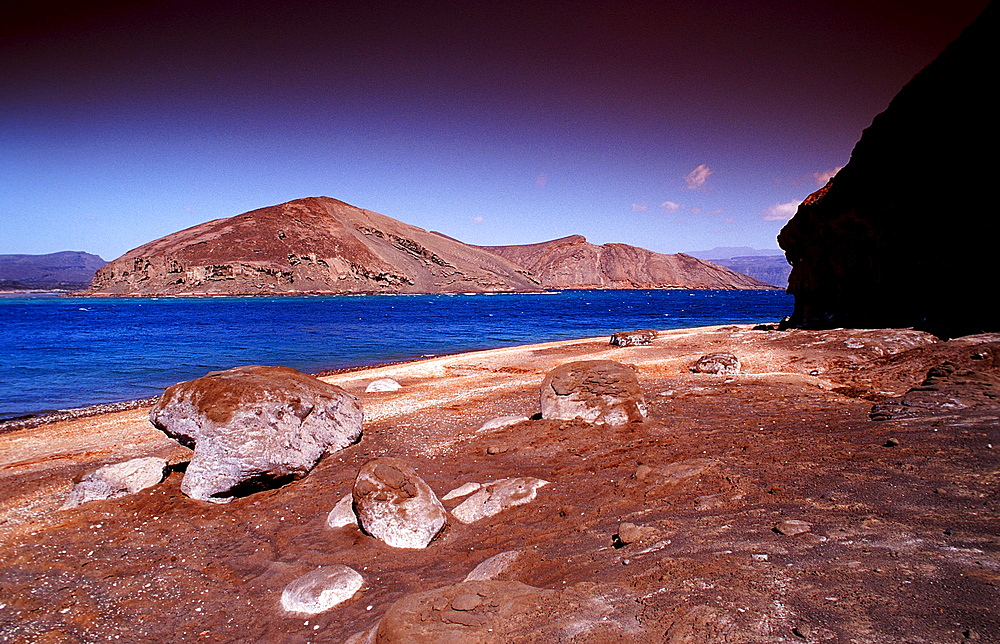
(322, 245)
(312, 245)
(573, 262)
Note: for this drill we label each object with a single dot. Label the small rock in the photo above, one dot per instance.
(595, 391)
(382, 384)
(119, 479)
(631, 533)
(502, 421)
(494, 566)
(718, 363)
(496, 497)
(342, 514)
(633, 338)
(321, 589)
(463, 490)
(497, 449)
(792, 527)
(891, 442)
(395, 505)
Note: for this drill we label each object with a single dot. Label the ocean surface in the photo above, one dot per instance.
(65, 352)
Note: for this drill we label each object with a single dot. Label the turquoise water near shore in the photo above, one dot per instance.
(66, 352)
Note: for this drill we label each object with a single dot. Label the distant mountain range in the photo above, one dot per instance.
(67, 270)
(322, 245)
(767, 265)
(573, 262)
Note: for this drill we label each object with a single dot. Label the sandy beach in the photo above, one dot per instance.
(902, 541)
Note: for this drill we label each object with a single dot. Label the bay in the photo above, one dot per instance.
(64, 352)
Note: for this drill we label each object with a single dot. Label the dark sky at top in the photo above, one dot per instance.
(670, 125)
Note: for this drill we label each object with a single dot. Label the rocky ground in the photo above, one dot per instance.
(763, 507)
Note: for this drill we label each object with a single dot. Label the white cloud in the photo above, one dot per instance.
(781, 211)
(640, 207)
(696, 179)
(478, 219)
(670, 206)
(822, 177)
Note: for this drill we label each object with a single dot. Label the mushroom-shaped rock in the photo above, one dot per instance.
(254, 426)
(597, 391)
(321, 589)
(119, 479)
(395, 505)
(382, 384)
(723, 364)
(499, 612)
(633, 338)
(497, 496)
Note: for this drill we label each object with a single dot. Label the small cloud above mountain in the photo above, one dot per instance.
(781, 211)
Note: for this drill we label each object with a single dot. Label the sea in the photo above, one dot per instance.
(59, 352)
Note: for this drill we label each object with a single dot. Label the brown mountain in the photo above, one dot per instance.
(313, 245)
(573, 262)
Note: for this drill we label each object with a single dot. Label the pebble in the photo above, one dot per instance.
(792, 527)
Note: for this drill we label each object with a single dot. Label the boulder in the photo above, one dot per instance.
(395, 505)
(119, 479)
(597, 391)
(321, 589)
(722, 364)
(633, 338)
(499, 612)
(253, 427)
(382, 384)
(496, 496)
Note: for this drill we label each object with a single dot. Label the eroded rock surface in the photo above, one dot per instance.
(597, 391)
(635, 338)
(496, 496)
(254, 427)
(395, 505)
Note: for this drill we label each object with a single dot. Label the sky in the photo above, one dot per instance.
(674, 126)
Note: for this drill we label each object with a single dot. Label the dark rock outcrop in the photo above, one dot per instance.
(313, 245)
(67, 270)
(901, 236)
(254, 426)
(633, 338)
(573, 262)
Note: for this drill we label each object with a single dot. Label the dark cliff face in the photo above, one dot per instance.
(903, 236)
(573, 262)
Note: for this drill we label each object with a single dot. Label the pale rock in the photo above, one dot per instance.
(502, 421)
(792, 527)
(321, 589)
(497, 496)
(395, 505)
(118, 479)
(382, 384)
(254, 426)
(597, 391)
(463, 490)
(494, 566)
(342, 514)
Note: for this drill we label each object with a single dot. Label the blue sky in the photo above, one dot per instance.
(674, 126)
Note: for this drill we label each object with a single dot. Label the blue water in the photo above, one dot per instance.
(63, 352)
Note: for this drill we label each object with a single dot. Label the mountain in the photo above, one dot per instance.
(766, 265)
(312, 245)
(573, 262)
(897, 238)
(66, 270)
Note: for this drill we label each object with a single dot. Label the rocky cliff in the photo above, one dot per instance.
(573, 262)
(901, 236)
(313, 245)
